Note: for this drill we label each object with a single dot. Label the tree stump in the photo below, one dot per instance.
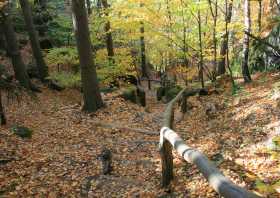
(106, 161)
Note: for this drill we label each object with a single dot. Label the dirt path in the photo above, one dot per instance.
(61, 159)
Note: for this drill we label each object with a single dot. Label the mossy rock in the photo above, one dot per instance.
(129, 94)
(171, 92)
(276, 140)
(22, 131)
(160, 93)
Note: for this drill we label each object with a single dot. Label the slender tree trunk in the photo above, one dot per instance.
(13, 49)
(109, 39)
(246, 42)
(224, 44)
(143, 52)
(260, 16)
(3, 120)
(2, 39)
(228, 9)
(33, 36)
(214, 13)
(91, 92)
(200, 51)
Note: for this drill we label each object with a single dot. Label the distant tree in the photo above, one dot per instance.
(143, 49)
(213, 6)
(260, 15)
(91, 92)
(224, 43)
(201, 56)
(13, 48)
(109, 39)
(33, 36)
(246, 42)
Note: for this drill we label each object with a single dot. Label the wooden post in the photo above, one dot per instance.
(149, 84)
(166, 155)
(184, 104)
(2, 113)
(165, 146)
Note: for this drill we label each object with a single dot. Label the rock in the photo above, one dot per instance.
(52, 84)
(210, 110)
(22, 131)
(217, 158)
(203, 92)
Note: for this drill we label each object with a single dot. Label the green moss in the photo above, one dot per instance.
(129, 94)
(66, 79)
(171, 92)
(22, 131)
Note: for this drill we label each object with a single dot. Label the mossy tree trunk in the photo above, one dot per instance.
(13, 49)
(33, 36)
(91, 92)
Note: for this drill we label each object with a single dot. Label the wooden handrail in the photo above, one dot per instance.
(170, 139)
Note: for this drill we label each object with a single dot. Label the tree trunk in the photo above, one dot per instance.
(260, 16)
(143, 52)
(2, 113)
(246, 42)
(214, 13)
(200, 51)
(2, 39)
(13, 50)
(224, 44)
(109, 39)
(33, 36)
(91, 92)
(143, 49)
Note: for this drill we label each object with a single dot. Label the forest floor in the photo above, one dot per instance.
(61, 158)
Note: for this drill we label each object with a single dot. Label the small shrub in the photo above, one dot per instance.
(67, 80)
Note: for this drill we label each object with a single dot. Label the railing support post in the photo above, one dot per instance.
(166, 154)
(166, 161)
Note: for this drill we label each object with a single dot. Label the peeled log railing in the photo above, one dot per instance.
(170, 139)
